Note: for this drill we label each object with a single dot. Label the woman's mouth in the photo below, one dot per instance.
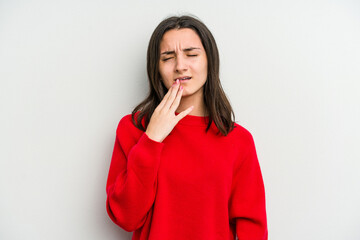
(182, 79)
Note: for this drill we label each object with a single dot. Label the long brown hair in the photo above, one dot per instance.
(217, 105)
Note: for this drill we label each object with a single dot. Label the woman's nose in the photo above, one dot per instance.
(181, 64)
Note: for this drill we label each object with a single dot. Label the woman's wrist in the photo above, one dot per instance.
(153, 137)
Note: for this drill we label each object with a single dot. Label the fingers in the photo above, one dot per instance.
(172, 95)
(176, 102)
(184, 113)
(165, 98)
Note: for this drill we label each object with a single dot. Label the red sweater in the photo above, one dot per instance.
(193, 185)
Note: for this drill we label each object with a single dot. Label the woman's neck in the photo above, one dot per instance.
(196, 101)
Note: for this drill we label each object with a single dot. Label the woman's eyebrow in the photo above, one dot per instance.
(184, 50)
(167, 52)
(190, 48)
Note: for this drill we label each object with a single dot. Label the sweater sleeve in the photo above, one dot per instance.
(247, 200)
(132, 178)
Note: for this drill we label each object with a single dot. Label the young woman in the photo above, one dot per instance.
(181, 167)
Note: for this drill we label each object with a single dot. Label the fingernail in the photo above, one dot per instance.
(181, 87)
(177, 81)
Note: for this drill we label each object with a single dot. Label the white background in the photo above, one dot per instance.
(70, 70)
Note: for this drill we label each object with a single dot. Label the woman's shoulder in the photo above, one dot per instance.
(126, 120)
(126, 131)
(242, 134)
(126, 123)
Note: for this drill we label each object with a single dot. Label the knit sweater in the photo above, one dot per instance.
(193, 185)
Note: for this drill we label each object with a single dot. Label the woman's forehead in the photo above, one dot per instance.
(184, 38)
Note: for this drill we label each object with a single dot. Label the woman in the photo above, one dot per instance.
(181, 167)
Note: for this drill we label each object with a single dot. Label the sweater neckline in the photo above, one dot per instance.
(194, 120)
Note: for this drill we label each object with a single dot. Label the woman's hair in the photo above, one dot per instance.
(217, 105)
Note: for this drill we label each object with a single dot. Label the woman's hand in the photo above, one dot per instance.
(163, 120)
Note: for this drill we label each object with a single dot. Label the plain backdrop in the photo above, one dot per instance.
(70, 70)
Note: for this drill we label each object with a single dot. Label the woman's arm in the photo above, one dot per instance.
(132, 181)
(247, 201)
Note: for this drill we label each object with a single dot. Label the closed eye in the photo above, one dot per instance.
(165, 59)
(192, 55)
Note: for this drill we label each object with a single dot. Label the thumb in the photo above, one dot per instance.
(184, 113)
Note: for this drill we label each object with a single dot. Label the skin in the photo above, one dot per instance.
(181, 54)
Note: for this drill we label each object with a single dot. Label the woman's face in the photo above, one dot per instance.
(183, 57)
